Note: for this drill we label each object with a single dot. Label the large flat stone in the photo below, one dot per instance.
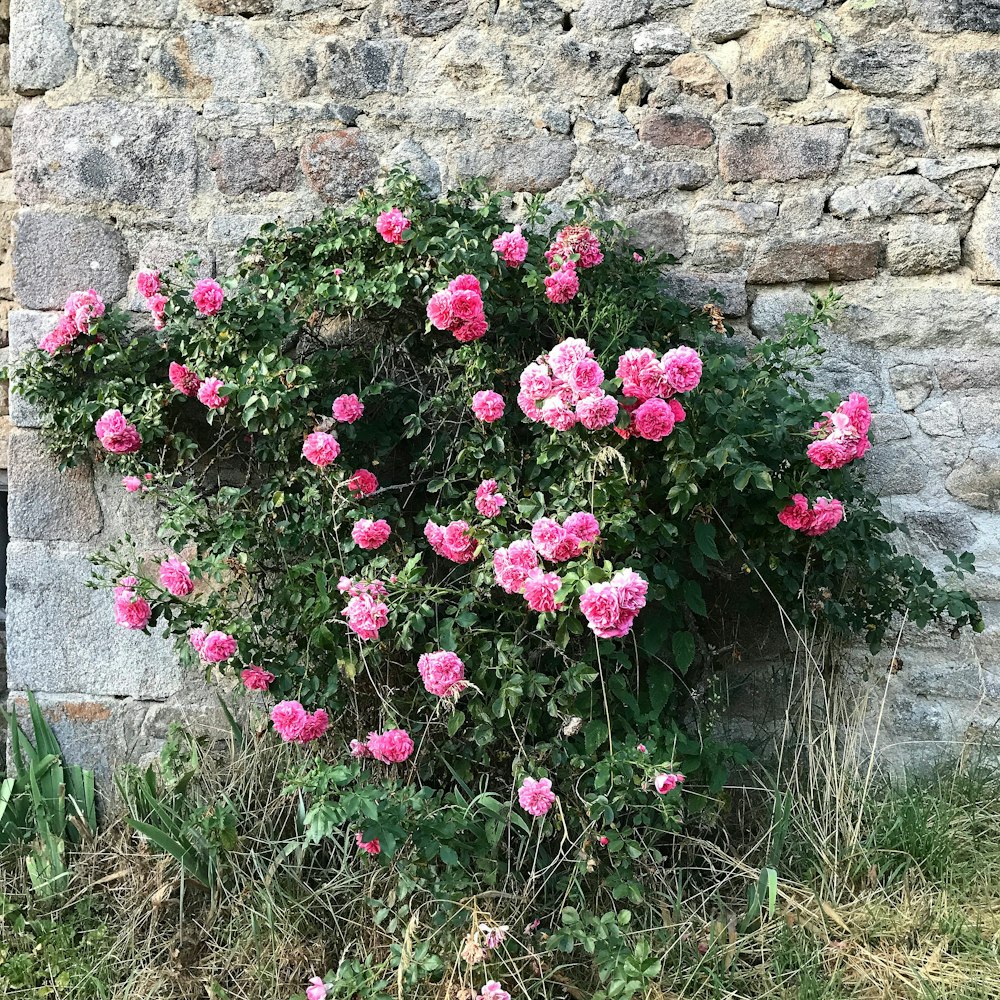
(781, 152)
(982, 244)
(885, 197)
(428, 17)
(917, 247)
(886, 68)
(537, 164)
(140, 153)
(55, 255)
(136, 13)
(62, 636)
(663, 129)
(977, 481)
(26, 331)
(781, 260)
(252, 166)
(339, 164)
(722, 20)
(964, 122)
(41, 50)
(44, 504)
(697, 289)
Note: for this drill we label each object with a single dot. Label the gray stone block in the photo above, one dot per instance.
(781, 152)
(136, 13)
(26, 331)
(595, 16)
(896, 469)
(747, 218)
(55, 255)
(919, 248)
(41, 51)
(428, 17)
(339, 164)
(775, 69)
(783, 260)
(772, 307)
(359, 69)
(658, 229)
(43, 503)
(113, 55)
(884, 197)
(537, 164)
(912, 385)
(222, 58)
(977, 481)
(885, 69)
(62, 636)
(656, 44)
(722, 20)
(139, 153)
(697, 289)
(960, 123)
(252, 166)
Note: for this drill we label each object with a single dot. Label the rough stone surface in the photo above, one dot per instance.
(658, 229)
(41, 48)
(339, 164)
(140, 13)
(912, 384)
(960, 123)
(656, 43)
(137, 154)
(885, 197)
(698, 75)
(721, 20)
(245, 166)
(815, 259)
(886, 68)
(920, 248)
(429, 17)
(776, 69)
(781, 152)
(43, 503)
(728, 289)
(661, 130)
(977, 481)
(56, 254)
(537, 164)
(46, 582)
(26, 330)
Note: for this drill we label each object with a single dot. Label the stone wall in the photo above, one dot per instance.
(774, 147)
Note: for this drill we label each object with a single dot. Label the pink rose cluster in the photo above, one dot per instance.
(320, 448)
(116, 434)
(536, 797)
(175, 577)
(391, 225)
(574, 247)
(148, 285)
(214, 646)
(610, 608)
(391, 747)
(295, 725)
(843, 435)
(183, 379)
(824, 515)
(363, 482)
(653, 382)
(207, 296)
(443, 673)
(564, 387)
(489, 500)
(347, 408)
(459, 309)
(256, 678)
(452, 541)
(131, 609)
(80, 310)
(369, 534)
(366, 612)
(511, 247)
(488, 405)
(208, 393)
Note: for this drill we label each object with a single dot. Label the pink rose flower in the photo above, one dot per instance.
(158, 309)
(668, 782)
(452, 542)
(184, 380)
(256, 679)
(561, 286)
(207, 296)
(175, 577)
(553, 541)
(316, 989)
(132, 483)
(197, 638)
(540, 590)
(117, 434)
(511, 247)
(557, 414)
(315, 726)
(489, 501)
(131, 610)
(347, 409)
(610, 608)
(677, 410)
(371, 847)
(597, 411)
(391, 747)
(359, 750)
(681, 368)
(320, 448)
(585, 376)
(640, 372)
(289, 718)
(64, 333)
(391, 225)
(603, 841)
(536, 797)
(208, 393)
(365, 615)
(466, 305)
(82, 307)
(466, 331)
(797, 514)
(575, 242)
(466, 283)
(529, 407)
(830, 454)
(147, 283)
(443, 673)
(653, 420)
(488, 405)
(363, 483)
(217, 647)
(371, 534)
(493, 991)
(827, 513)
(583, 525)
(632, 590)
(439, 310)
(536, 381)
(511, 565)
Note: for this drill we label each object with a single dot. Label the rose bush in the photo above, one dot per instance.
(472, 506)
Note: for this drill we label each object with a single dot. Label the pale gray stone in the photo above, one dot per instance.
(977, 481)
(624, 174)
(252, 166)
(977, 70)
(884, 197)
(416, 159)
(982, 244)
(896, 469)
(802, 211)
(960, 123)
(886, 68)
(359, 69)
(62, 636)
(887, 131)
(55, 255)
(113, 56)
(937, 170)
(26, 331)
(537, 164)
(748, 218)
(889, 427)
(45, 504)
(722, 20)
(912, 385)
(781, 152)
(919, 248)
(138, 154)
(134, 14)
(772, 307)
(224, 53)
(774, 70)
(948, 16)
(941, 419)
(974, 373)
(815, 258)
(798, 6)
(600, 15)
(696, 289)
(657, 229)
(655, 44)
(428, 17)
(41, 51)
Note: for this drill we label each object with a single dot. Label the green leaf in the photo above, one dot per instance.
(704, 535)
(683, 646)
